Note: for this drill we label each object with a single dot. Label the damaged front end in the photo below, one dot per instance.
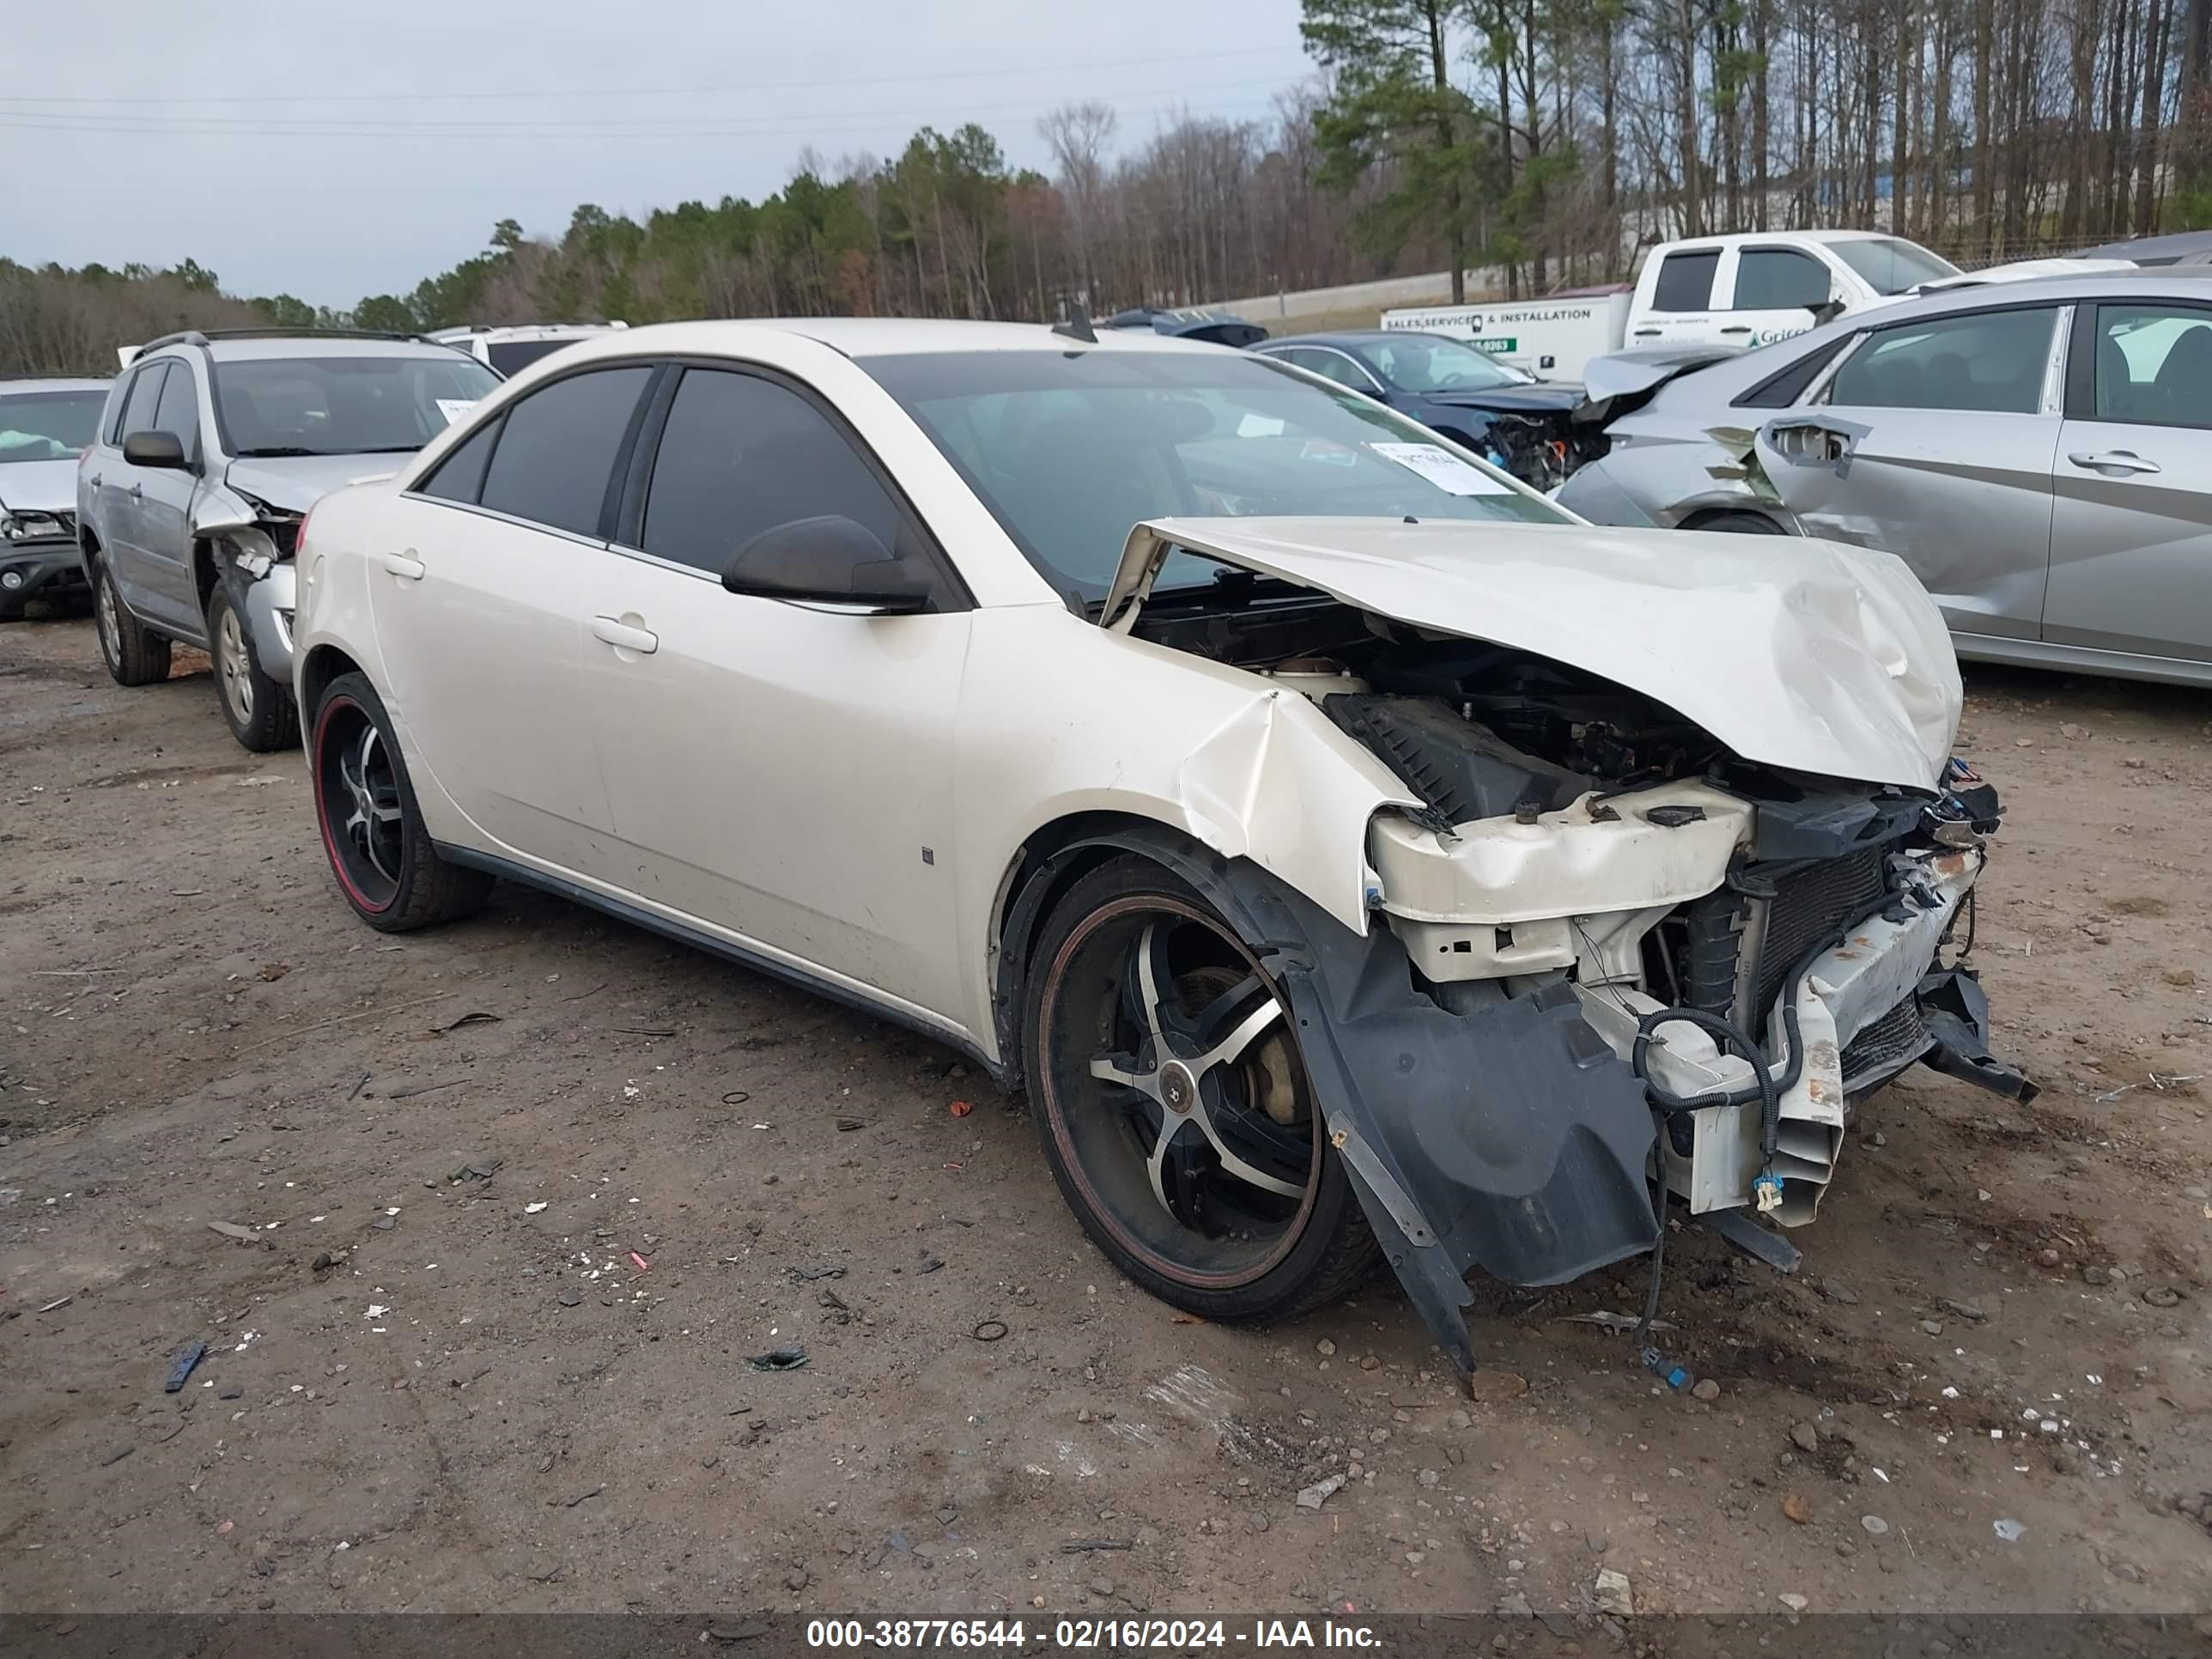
(1605, 945)
(253, 543)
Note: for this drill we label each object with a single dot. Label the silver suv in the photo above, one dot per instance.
(211, 451)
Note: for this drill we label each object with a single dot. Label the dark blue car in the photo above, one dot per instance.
(1514, 420)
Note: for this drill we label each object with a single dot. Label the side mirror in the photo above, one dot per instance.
(163, 450)
(1827, 311)
(830, 560)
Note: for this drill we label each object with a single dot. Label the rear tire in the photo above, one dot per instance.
(1196, 1159)
(1740, 524)
(134, 654)
(258, 710)
(385, 863)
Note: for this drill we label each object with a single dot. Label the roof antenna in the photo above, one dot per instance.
(1077, 325)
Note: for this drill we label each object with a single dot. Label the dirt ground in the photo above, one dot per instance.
(427, 1390)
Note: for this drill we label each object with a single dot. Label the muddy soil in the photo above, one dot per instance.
(521, 1197)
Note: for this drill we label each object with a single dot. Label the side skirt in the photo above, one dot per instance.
(699, 939)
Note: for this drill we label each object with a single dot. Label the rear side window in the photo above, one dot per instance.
(1987, 361)
(178, 411)
(556, 449)
(1780, 391)
(1779, 279)
(741, 454)
(460, 475)
(509, 355)
(2155, 365)
(145, 396)
(1686, 281)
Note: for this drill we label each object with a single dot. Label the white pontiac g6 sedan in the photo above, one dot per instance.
(1346, 849)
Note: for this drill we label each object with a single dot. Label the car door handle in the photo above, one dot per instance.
(405, 566)
(2114, 460)
(1646, 333)
(1738, 328)
(623, 637)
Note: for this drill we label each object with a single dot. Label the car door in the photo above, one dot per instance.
(1772, 292)
(1932, 440)
(161, 507)
(2131, 536)
(483, 597)
(779, 770)
(122, 487)
(1681, 304)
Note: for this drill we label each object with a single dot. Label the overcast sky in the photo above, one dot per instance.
(282, 143)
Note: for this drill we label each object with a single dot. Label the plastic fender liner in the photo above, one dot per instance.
(1511, 1139)
(1957, 1013)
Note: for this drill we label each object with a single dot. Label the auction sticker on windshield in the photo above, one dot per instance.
(453, 408)
(1443, 469)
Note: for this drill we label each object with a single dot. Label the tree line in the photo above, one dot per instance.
(1538, 140)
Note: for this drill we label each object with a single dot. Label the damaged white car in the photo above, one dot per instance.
(1337, 841)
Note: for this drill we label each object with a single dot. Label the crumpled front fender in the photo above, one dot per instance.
(1508, 1139)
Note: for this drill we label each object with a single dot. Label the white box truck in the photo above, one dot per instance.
(1748, 289)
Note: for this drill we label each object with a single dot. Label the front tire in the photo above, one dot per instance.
(1173, 1108)
(135, 655)
(1740, 524)
(385, 863)
(258, 710)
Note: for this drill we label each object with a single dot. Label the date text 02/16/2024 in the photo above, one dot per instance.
(1089, 1634)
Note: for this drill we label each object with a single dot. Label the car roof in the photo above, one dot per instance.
(1730, 239)
(1353, 337)
(872, 337)
(501, 332)
(85, 384)
(277, 347)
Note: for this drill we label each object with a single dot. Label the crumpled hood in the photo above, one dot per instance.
(38, 486)
(293, 483)
(1798, 653)
(1546, 397)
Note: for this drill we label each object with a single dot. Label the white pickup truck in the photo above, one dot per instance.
(1747, 290)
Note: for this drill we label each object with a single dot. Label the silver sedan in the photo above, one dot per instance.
(2040, 454)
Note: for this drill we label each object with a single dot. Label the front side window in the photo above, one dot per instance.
(1333, 365)
(145, 396)
(460, 475)
(354, 405)
(178, 414)
(741, 454)
(1686, 281)
(2155, 365)
(1779, 279)
(1889, 264)
(1071, 451)
(47, 426)
(1988, 361)
(556, 449)
(1430, 362)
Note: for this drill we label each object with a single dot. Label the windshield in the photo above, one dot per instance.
(1071, 451)
(1430, 362)
(344, 405)
(508, 355)
(1890, 265)
(48, 426)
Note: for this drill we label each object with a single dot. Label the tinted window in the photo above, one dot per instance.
(1782, 390)
(557, 449)
(1990, 362)
(740, 455)
(2155, 365)
(508, 355)
(178, 411)
(460, 477)
(1686, 281)
(1778, 278)
(145, 396)
(1072, 451)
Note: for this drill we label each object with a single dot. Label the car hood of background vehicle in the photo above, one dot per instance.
(1798, 653)
(38, 486)
(1550, 397)
(292, 483)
